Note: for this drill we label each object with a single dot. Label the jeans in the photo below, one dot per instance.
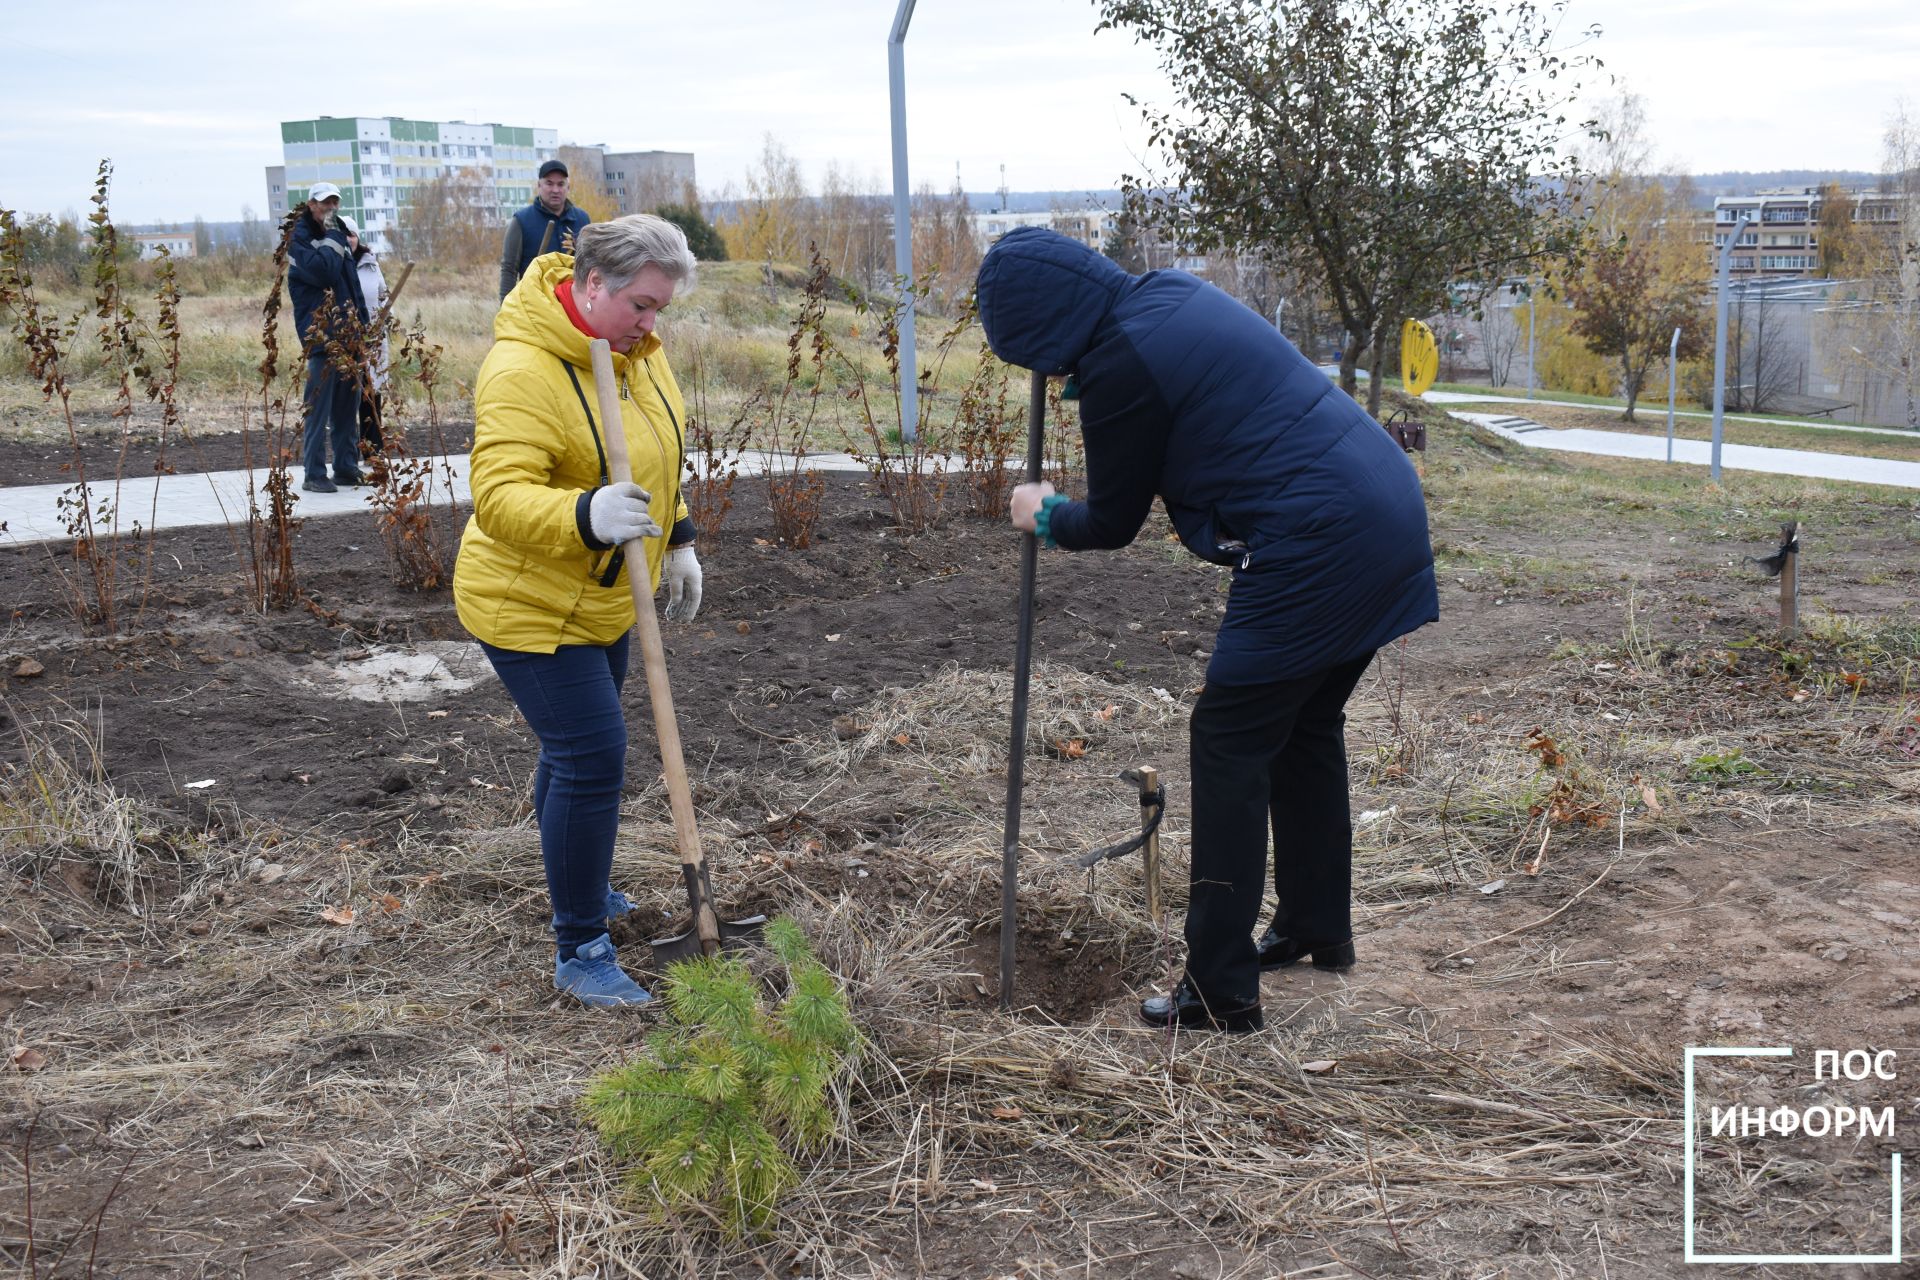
(1268, 756)
(571, 699)
(333, 409)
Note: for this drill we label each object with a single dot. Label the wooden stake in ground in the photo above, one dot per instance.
(1790, 581)
(1150, 852)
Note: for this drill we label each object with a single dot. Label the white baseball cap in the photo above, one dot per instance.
(353, 228)
(323, 191)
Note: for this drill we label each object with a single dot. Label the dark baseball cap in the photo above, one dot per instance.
(553, 166)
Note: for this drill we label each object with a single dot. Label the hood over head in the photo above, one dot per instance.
(1041, 297)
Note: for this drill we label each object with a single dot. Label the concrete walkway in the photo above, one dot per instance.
(1733, 457)
(1658, 413)
(31, 513)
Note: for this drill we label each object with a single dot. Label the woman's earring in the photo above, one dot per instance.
(589, 306)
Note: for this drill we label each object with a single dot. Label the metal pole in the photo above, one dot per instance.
(1022, 667)
(1720, 343)
(1673, 354)
(1529, 337)
(903, 221)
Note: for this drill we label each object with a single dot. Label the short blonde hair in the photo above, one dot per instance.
(618, 250)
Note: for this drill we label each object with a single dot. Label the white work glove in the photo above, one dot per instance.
(618, 513)
(682, 572)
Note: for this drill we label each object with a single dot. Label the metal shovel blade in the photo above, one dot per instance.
(734, 935)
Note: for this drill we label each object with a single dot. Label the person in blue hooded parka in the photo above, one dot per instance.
(1265, 465)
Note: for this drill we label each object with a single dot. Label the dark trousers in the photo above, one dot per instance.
(1268, 756)
(571, 699)
(371, 437)
(333, 413)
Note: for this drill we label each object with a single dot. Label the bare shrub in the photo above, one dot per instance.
(794, 489)
(713, 453)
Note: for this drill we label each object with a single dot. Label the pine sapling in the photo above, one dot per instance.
(730, 1090)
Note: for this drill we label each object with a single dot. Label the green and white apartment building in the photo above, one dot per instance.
(378, 161)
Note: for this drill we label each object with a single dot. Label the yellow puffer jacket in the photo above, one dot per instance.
(526, 578)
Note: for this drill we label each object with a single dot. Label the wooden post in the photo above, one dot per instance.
(1150, 854)
(1790, 583)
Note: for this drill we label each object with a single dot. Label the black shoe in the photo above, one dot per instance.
(348, 482)
(322, 485)
(1277, 952)
(1186, 1008)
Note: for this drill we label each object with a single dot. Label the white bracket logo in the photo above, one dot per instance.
(1892, 1255)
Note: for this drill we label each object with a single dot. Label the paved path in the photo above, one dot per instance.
(31, 513)
(1733, 457)
(1658, 412)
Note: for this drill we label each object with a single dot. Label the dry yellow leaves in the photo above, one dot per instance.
(24, 1058)
(1006, 1111)
(337, 915)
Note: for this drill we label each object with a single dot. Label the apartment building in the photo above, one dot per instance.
(379, 161)
(1094, 228)
(635, 181)
(178, 244)
(1783, 235)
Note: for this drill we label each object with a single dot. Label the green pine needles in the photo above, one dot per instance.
(729, 1087)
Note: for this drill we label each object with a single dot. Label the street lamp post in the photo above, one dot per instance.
(1673, 356)
(903, 221)
(1720, 342)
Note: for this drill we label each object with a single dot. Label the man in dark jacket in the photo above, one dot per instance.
(328, 311)
(1268, 467)
(549, 225)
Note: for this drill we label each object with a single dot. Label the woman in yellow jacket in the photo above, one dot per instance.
(541, 578)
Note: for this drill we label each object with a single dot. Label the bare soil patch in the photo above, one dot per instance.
(1725, 851)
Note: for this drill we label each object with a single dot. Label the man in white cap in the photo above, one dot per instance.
(329, 311)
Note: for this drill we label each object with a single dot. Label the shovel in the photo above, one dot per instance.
(1022, 667)
(709, 933)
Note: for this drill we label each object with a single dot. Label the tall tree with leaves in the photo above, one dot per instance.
(1841, 253)
(1396, 147)
(702, 237)
(1634, 292)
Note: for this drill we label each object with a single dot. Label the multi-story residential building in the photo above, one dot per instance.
(635, 181)
(378, 163)
(179, 244)
(1783, 234)
(991, 226)
(1093, 228)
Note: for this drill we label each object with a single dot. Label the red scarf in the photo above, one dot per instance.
(564, 292)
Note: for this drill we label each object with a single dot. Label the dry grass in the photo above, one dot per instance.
(408, 1083)
(396, 1095)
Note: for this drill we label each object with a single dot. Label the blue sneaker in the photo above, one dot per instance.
(619, 904)
(594, 977)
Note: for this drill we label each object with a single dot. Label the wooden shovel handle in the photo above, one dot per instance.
(653, 656)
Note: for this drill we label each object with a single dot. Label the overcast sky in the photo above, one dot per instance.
(187, 98)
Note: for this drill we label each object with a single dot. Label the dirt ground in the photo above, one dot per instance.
(1540, 938)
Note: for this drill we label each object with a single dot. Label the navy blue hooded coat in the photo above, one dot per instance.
(1262, 461)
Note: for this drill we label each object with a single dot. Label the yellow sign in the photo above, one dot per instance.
(1419, 358)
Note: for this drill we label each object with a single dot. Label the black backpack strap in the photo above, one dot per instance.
(611, 573)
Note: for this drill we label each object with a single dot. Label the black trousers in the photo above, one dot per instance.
(1268, 755)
